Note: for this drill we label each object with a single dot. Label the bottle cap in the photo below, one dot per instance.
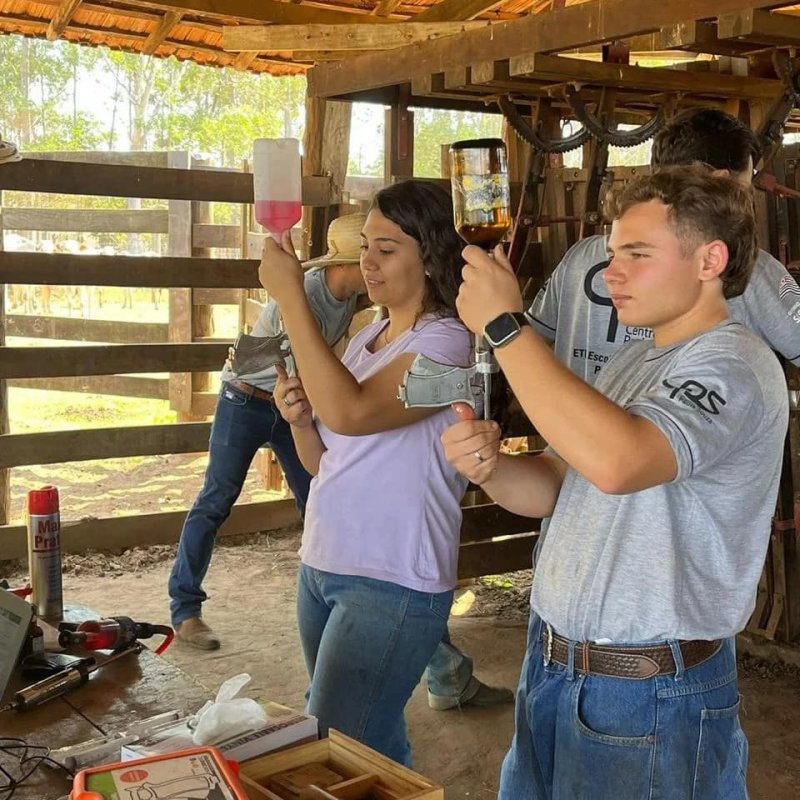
(43, 501)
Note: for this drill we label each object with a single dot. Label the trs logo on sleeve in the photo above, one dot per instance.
(693, 393)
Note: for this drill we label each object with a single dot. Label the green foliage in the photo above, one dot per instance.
(433, 128)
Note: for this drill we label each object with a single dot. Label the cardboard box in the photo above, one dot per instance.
(284, 727)
(365, 773)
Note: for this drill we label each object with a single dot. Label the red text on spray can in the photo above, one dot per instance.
(44, 552)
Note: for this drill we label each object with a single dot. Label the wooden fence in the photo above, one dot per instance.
(493, 540)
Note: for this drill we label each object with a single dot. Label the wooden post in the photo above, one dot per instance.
(399, 137)
(202, 315)
(180, 300)
(313, 238)
(5, 474)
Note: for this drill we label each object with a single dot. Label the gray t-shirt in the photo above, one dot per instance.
(574, 310)
(679, 560)
(333, 317)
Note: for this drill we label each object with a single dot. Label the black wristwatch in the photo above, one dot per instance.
(505, 328)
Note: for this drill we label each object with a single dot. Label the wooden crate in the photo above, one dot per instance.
(365, 773)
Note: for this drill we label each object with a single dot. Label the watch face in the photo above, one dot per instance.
(502, 330)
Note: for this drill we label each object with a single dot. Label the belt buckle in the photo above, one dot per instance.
(548, 644)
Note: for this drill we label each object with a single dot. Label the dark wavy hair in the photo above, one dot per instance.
(707, 135)
(424, 211)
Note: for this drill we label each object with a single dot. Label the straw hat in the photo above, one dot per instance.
(344, 242)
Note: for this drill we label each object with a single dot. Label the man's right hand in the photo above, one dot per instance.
(291, 401)
(472, 446)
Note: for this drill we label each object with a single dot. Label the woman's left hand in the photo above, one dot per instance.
(280, 273)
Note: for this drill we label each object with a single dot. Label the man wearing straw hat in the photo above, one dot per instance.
(246, 419)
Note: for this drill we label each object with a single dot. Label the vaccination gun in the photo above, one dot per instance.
(429, 384)
(251, 354)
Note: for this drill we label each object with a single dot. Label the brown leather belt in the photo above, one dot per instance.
(634, 663)
(253, 391)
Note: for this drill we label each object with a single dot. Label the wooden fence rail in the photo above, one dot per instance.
(86, 330)
(56, 362)
(63, 269)
(58, 447)
(120, 385)
(113, 180)
(88, 220)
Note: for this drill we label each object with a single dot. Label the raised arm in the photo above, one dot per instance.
(616, 451)
(343, 404)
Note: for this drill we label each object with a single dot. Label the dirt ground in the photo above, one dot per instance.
(251, 606)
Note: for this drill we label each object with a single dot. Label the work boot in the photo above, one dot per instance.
(195, 632)
(477, 694)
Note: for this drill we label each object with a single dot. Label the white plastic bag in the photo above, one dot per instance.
(228, 715)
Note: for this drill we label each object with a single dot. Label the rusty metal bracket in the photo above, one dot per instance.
(611, 136)
(529, 134)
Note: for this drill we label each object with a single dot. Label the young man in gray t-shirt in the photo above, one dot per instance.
(661, 483)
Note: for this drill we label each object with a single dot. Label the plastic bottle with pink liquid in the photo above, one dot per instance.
(277, 184)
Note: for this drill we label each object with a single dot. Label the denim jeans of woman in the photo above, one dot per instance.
(366, 644)
(671, 737)
(242, 424)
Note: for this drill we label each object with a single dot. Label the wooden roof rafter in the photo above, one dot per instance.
(552, 32)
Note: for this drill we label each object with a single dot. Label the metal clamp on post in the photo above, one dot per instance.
(429, 384)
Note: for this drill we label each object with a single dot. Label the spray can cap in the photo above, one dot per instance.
(43, 501)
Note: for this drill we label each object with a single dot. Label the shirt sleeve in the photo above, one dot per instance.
(705, 405)
(771, 307)
(444, 340)
(543, 313)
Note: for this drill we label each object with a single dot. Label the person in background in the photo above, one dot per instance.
(574, 309)
(246, 419)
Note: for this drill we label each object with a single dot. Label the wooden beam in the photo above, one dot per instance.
(489, 520)
(63, 269)
(760, 27)
(559, 30)
(562, 69)
(88, 220)
(138, 158)
(60, 447)
(143, 530)
(268, 11)
(493, 558)
(161, 31)
(243, 38)
(244, 61)
(86, 330)
(112, 359)
(58, 24)
(446, 10)
(119, 385)
(63, 177)
(385, 7)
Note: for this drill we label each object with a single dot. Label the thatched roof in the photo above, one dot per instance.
(192, 29)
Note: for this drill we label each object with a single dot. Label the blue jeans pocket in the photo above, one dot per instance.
(721, 755)
(441, 603)
(607, 750)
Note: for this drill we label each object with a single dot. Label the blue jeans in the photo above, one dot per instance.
(366, 643)
(242, 424)
(449, 670)
(673, 737)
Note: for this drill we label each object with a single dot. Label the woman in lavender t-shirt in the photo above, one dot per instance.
(380, 543)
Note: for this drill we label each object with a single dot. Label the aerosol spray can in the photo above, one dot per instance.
(44, 551)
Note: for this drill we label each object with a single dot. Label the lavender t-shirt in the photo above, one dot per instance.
(387, 505)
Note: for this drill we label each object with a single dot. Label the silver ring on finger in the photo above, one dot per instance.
(286, 401)
(479, 457)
